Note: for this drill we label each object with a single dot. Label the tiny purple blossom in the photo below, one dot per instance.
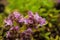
(37, 17)
(16, 28)
(16, 14)
(42, 21)
(8, 22)
(27, 33)
(8, 34)
(30, 14)
(29, 30)
(28, 21)
(21, 19)
(25, 21)
(12, 28)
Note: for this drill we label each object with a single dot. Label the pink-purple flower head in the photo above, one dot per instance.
(25, 21)
(11, 17)
(42, 21)
(39, 19)
(8, 22)
(16, 14)
(17, 28)
(12, 32)
(14, 28)
(28, 31)
(27, 34)
(28, 21)
(21, 19)
(8, 34)
(36, 16)
(30, 14)
(30, 18)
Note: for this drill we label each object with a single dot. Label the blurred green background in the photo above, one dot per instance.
(45, 8)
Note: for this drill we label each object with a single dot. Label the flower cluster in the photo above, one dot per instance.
(12, 33)
(31, 21)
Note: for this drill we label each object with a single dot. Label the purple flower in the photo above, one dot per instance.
(21, 20)
(29, 30)
(28, 21)
(26, 35)
(39, 19)
(7, 34)
(12, 32)
(8, 22)
(25, 21)
(42, 21)
(30, 14)
(36, 16)
(11, 16)
(16, 14)
(14, 28)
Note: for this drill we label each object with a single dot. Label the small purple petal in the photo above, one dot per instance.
(21, 20)
(17, 28)
(8, 22)
(26, 21)
(8, 34)
(30, 14)
(16, 14)
(42, 21)
(30, 21)
(29, 29)
(12, 28)
(37, 17)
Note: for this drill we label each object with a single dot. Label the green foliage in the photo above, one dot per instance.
(33, 5)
